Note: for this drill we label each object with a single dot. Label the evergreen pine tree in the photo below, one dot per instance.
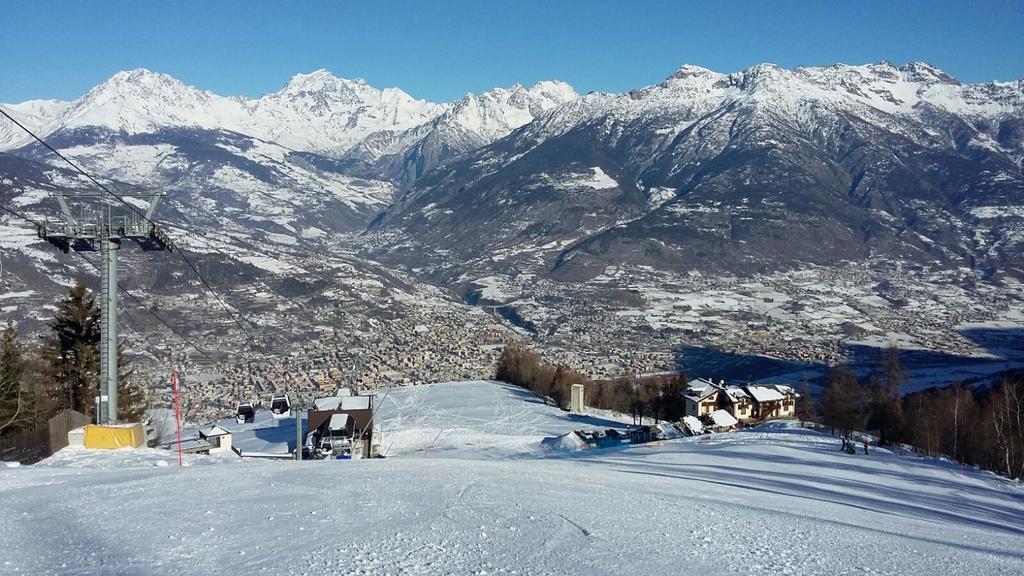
(131, 397)
(73, 355)
(73, 350)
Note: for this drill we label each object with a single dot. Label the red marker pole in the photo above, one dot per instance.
(177, 416)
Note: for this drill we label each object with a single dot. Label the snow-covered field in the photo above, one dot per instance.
(482, 418)
(775, 500)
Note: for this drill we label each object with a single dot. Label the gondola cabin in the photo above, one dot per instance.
(280, 407)
(245, 413)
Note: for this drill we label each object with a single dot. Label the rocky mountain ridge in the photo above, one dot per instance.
(762, 169)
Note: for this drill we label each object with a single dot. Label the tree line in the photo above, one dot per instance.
(980, 427)
(38, 380)
(659, 397)
(983, 427)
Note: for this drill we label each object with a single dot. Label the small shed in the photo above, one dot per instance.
(721, 421)
(358, 408)
(576, 403)
(218, 438)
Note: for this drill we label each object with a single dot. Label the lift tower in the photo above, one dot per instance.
(93, 226)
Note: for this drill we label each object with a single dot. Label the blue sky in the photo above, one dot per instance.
(441, 50)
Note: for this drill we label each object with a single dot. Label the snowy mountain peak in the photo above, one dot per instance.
(323, 80)
(141, 100)
(690, 71)
(139, 75)
(925, 72)
(495, 113)
(138, 80)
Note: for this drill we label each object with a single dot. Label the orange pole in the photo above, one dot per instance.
(177, 417)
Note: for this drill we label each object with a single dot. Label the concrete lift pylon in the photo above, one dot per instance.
(97, 228)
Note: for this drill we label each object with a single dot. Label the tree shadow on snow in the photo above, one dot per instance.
(869, 496)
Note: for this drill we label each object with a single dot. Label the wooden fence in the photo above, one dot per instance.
(32, 446)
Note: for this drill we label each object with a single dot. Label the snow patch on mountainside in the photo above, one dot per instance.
(598, 181)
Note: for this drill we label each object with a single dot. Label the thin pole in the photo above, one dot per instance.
(177, 416)
(298, 434)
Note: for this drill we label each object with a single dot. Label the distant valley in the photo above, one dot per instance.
(759, 224)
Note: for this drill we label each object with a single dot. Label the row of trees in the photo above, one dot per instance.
(62, 372)
(979, 427)
(659, 397)
(522, 366)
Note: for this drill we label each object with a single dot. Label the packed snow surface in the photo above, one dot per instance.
(772, 500)
(485, 418)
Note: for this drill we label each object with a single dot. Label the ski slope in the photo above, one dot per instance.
(486, 418)
(773, 500)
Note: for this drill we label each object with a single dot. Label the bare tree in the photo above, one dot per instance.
(15, 405)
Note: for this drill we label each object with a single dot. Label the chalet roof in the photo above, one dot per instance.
(785, 390)
(721, 418)
(764, 393)
(213, 431)
(700, 389)
(735, 393)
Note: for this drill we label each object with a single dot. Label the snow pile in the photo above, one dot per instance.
(73, 457)
(564, 444)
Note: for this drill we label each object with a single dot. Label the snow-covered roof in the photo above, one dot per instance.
(356, 402)
(343, 403)
(264, 435)
(785, 390)
(189, 445)
(700, 384)
(693, 424)
(700, 389)
(213, 431)
(722, 418)
(764, 393)
(327, 403)
(735, 393)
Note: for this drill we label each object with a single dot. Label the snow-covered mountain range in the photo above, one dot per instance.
(757, 171)
(760, 169)
(316, 112)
